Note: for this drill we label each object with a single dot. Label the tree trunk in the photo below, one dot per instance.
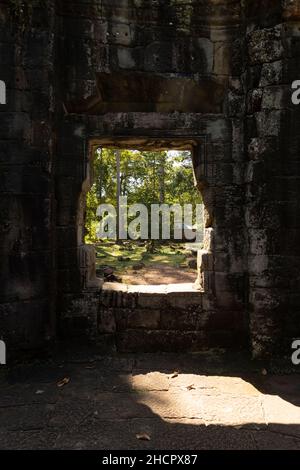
(161, 177)
(118, 166)
(100, 177)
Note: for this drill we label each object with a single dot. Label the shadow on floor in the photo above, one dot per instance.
(204, 401)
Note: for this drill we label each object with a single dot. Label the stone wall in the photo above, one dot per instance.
(165, 318)
(66, 72)
(272, 175)
(27, 156)
(198, 42)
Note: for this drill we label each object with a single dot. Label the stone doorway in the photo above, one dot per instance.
(143, 316)
(133, 319)
(141, 145)
(165, 250)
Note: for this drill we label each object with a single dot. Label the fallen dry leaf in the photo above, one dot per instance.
(143, 436)
(174, 375)
(190, 387)
(63, 382)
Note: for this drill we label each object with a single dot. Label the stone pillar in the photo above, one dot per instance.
(87, 263)
(272, 215)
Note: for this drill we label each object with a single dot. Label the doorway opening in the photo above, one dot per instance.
(144, 215)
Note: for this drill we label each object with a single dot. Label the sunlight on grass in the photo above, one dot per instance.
(123, 256)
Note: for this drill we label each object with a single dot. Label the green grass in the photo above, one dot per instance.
(109, 253)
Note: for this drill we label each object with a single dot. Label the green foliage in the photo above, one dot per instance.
(179, 185)
(146, 177)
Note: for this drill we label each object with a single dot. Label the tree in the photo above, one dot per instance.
(147, 177)
(118, 192)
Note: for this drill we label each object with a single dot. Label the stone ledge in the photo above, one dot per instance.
(149, 289)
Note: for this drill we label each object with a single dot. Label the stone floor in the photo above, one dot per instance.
(202, 401)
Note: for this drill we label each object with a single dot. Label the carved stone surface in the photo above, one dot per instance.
(231, 64)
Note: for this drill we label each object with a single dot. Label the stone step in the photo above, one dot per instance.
(164, 318)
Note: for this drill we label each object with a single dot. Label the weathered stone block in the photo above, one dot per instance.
(268, 122)
(106, 321)
(254, 101)
(222, 58)
(120, 33)
(184, 299)
(81, 27)
(143, 318)
(265, 45)
(159, 57)
(127, 58)
(160, 341)
(205, 260)
(257, 241)
(151, 300)
(22, 324)
(15, 126)
(262, 147)
(271, 73)
(7, 53)
(221, 262)
(276, 97)
(202, 56)
(236, 104)
(188, 319)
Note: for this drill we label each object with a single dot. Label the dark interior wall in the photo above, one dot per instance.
(272, 174)
(290, 171)
(195, 41)
(27, 150)
(239, 59)
(199, 42)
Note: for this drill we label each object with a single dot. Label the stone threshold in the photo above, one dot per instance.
(150, 288)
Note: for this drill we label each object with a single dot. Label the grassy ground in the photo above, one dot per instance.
(124, 256)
